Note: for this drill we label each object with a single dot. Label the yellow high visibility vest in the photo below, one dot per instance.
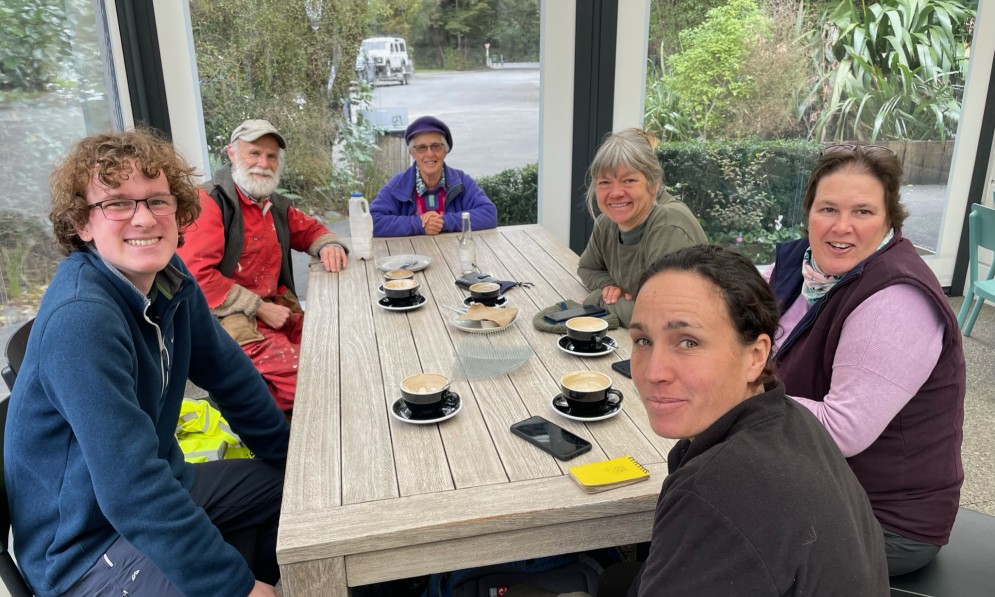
(204, 435)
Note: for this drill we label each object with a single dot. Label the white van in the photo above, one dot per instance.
(389, 59)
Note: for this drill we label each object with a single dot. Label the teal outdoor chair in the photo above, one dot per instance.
(981, 224)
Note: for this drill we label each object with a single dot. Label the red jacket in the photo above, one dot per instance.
(259, 267)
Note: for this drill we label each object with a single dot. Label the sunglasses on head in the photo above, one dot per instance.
(866, 149)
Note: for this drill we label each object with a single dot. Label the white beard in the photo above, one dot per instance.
(251, 185)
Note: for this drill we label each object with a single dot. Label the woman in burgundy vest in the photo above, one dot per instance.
(870, 345)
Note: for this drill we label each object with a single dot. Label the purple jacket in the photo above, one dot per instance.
(393, 210)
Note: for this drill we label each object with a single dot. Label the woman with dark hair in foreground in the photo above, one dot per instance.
(758, 500)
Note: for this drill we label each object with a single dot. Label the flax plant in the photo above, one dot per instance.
(890, 70)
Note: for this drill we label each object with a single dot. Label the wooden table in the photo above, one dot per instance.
(369, 498)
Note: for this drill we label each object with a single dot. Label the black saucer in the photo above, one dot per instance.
(608, 411)
(607, 345)
(498, 302)
(416, 300)
(451, 404)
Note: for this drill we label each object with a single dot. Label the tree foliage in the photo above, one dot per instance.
(35, 41)
(707, 75)
(669, 17)
(516, 30)
(397, 17)
(894, 69)
(450, 34)
(273, 59)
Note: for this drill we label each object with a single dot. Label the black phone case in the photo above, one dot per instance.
(467, 280)
(581, 311)
(583, 449)
(623, 367)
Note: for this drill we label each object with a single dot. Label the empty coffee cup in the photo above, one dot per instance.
(586, 332)
(424, 392)
(399, 274)
(485, 292)
(588, 392)
(400, 290)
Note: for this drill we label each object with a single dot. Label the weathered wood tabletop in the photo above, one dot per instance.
(369, 498)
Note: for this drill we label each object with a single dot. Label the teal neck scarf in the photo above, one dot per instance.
(818, 283)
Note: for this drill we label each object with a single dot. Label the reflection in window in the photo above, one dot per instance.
(746, 92)
(56, 85)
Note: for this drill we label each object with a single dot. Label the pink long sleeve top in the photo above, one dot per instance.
(889, 346)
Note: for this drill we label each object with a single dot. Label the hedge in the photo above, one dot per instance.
(770, 174)
(692, 173)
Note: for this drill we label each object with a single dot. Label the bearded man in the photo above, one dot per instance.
(239, 252)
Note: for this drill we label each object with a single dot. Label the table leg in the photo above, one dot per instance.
(319, 577)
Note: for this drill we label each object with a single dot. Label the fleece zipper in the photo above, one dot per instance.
(163, 353)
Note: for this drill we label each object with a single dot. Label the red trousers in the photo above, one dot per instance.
(276, 357)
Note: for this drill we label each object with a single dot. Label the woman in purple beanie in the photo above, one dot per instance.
(429, 197)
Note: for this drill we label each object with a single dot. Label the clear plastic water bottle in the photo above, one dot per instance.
(467, 249)
(360, 227)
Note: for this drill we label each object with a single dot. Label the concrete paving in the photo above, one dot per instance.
(925, 204)
(978, 451)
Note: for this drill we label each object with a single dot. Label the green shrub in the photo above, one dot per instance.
(707, 74)
(515, 193)
(706, 175)
(663, 115)
(744, 54)
(747, 194)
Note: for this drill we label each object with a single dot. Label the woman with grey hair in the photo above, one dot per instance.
(639, 222)
(430, 197)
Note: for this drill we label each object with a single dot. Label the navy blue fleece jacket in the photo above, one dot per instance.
(90, 452)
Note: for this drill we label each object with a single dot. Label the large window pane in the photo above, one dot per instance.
(342, 79)
(746, 92)
(56, 85)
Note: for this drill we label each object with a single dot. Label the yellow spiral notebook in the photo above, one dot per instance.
(601, 476)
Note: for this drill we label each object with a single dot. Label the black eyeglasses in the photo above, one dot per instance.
(867, 149)
(125, 209)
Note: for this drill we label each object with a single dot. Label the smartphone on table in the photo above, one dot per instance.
(551, 438)
(582, 311)
(623, 367)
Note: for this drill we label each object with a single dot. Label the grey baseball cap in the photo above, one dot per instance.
(250, 130)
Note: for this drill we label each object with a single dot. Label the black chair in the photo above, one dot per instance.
(16, 346)
(9, 574)
(963, 568)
